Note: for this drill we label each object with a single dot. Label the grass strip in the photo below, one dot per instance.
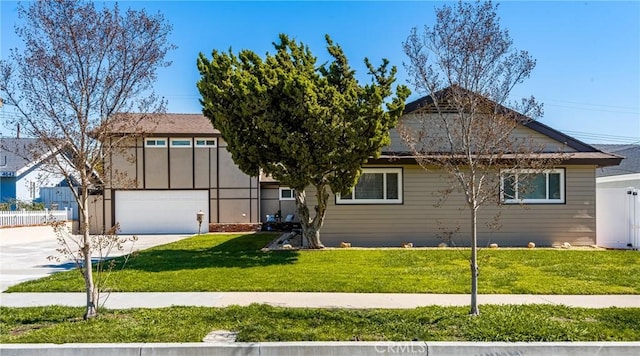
(255, 323)
(235, 263)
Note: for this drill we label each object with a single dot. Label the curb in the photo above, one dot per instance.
(328, 348)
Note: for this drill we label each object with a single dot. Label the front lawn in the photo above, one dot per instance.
(235, 263)
(255, 323)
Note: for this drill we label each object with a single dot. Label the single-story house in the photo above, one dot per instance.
(183, 166)
(627, 173)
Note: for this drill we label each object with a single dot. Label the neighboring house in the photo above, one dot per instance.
(183, 166)
(23, 169)
(627, 174)
(159, 182)
(618, 199)
(60, 197)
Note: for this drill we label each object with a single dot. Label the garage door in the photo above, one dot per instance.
(161, 211)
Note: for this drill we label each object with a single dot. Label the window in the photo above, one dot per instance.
(287, 193)
(530, 186)
(155, 142)
(180, 142)
(375, 186)
(206, 142)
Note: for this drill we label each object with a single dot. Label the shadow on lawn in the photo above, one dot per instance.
(242, 251)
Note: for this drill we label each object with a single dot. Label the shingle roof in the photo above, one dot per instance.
(530, 123)
(166, 124)
(18, 153)
(629, 165)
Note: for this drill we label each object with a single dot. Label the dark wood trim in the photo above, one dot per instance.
(258, 205)
(137, 158)
(110, 163)
(104, 211)
(144, 166)
(113, 208)
(193, 165)
(218, 184)
(168, 164)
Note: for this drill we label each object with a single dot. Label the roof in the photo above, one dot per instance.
(18, 154)
(600, 159)
(165, 124)
(527, 122)
(630, 163)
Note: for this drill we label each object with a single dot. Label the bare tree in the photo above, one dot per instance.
(467, 67)
(80, 67)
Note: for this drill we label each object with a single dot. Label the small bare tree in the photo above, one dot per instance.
(103, 247)
(466, 66)
(80, 67)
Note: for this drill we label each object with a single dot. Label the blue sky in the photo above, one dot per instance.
(588, 53)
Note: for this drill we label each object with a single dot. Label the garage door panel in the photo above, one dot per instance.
(160, 211)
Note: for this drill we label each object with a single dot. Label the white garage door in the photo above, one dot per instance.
(161, 211)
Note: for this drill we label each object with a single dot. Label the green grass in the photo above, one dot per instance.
(235, 263)
(265, 323)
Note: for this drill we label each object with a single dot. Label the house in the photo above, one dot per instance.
(23, 169)
(183, 167)
(158, 182)
(618, 199)
(398, 200)
(627, 174)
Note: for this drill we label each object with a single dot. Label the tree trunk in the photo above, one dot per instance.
(474, 262)
(311, 226)
(92, 293)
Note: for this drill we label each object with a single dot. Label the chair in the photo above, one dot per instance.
(289, 224)
(270, 223)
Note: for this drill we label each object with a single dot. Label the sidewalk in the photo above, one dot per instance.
(312, 300)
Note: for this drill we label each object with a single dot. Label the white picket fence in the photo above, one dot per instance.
(33, 217)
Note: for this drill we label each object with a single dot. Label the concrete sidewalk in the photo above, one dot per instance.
(312, 300)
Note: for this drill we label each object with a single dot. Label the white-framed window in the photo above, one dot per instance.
(375, 186)
(287, 193)
(532, 187)
(206, 142)
(181, 142)
(155, 142)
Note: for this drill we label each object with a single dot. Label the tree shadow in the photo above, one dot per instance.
(241, 252)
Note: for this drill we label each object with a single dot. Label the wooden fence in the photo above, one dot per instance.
(33, 217)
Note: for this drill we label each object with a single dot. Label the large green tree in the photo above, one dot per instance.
(305, 124)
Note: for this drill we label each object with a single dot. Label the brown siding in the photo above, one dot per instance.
(96, 215)
(235, 200)
(230, 175)
(202, 166)
(536, 139)
(181, 166)
(270, 203)
(126, 172)
(418, 221)
(156, 168)
(238, 210)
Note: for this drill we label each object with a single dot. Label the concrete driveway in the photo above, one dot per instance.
(24, 252)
